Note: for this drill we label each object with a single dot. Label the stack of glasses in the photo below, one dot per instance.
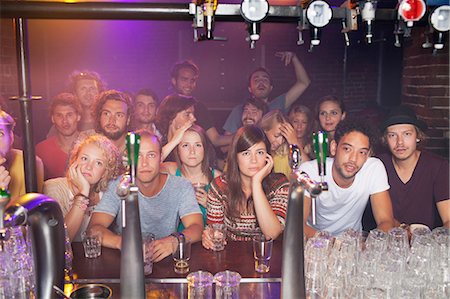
(379, 265)
(17, 279)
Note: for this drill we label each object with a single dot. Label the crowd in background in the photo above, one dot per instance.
(191, 173)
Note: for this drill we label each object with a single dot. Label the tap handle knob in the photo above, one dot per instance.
(295, 157)
(320, 142)
(133, 141)
(5, 197)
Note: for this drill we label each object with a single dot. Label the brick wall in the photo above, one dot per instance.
(426, 89)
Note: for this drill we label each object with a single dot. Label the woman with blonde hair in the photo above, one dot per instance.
(280, 134)
(94, 161)
(249, 199)
(302, 119)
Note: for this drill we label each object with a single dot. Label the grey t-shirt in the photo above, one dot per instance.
(160, 214)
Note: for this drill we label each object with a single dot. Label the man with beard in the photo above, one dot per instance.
(419, 179)
(12, 174)
(253, 110)
(184, 77)
(353, 177)
(65, 113)
(164, 200)
(112, 111)
(260, 86)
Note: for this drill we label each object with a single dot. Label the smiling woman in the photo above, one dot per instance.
(93, 163)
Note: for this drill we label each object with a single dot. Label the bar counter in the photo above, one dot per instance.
(165, 283)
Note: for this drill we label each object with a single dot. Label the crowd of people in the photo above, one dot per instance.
(84, 159)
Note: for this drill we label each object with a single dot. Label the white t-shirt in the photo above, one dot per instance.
(340, 208)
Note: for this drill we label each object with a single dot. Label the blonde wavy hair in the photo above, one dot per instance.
(268, 122)
(110, 152)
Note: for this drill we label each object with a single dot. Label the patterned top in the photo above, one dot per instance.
(246, 226)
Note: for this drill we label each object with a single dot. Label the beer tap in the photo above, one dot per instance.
(320, 142)
(368, 15)
(293, 270)
(254, 12)
(319, 15)
(204, 12)
(302, 24)
(45, 219)
(350, 22)
(209, 8)
(131, 264)
(196, 9)
(440, 21)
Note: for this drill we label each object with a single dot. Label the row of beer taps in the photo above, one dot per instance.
(316, 14)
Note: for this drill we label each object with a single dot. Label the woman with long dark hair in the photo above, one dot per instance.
(249, 199)
(194, 158)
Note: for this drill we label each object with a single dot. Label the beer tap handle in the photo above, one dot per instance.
(133, 141)
(295, 158)
(4, 200)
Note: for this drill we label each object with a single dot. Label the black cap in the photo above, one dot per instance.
(403, 115)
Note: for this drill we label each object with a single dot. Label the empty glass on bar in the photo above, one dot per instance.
(181, 256)
(262, 252)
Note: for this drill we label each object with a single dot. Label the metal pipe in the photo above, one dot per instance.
(132, 279)
(293, 268)
(132, 262)
(153, 11)
(25, 104)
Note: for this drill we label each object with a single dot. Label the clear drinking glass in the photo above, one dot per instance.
(147, 240)
(227, 284)
(181, 257)
(218, 234)
(92, 244)
(200, 285)
(262, 252)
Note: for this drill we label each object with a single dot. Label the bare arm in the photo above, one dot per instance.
(444, 211)
(267, 220)
(301, 75)
(174, 139)
(382, 210)
(217, 139)
(100, 223)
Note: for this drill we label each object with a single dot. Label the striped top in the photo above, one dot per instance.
(246, 226)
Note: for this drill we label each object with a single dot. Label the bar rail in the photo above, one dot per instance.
(154, 11)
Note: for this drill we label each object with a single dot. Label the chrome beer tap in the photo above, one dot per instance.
(46, 227)
(131, 263)
(293, 270)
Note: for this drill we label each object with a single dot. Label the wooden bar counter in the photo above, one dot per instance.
(165, 283)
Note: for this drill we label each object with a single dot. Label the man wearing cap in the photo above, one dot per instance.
(419, 179)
